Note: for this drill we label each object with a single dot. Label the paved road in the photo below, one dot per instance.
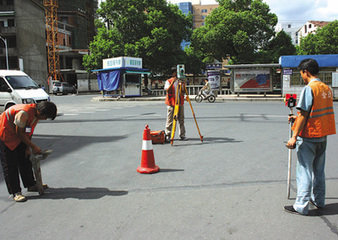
(231, 186)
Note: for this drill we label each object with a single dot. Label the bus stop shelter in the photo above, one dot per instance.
(252, 78)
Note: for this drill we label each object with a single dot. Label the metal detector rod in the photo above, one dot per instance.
(290, 157)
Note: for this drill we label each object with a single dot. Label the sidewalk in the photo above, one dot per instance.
(219, 98)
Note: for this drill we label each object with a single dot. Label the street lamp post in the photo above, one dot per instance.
(5, 41)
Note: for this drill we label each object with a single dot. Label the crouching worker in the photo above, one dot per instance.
(16, 129)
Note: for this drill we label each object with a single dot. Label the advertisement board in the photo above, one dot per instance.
(252, 80)
(122, 62)
(214, 78)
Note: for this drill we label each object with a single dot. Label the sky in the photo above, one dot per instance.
(299, 11)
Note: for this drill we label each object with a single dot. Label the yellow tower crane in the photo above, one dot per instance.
(51, 7)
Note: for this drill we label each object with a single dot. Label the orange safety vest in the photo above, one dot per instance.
(170, 96)
(320, 122)
(8, 129)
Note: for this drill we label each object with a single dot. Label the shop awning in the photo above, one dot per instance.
(324, 60)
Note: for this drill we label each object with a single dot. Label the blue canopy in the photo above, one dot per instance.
(327, 60)
(109, 79)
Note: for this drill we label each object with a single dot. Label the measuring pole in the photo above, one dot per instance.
(290, 100)
(290, 156)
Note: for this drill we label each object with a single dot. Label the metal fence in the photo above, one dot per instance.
(192, 90)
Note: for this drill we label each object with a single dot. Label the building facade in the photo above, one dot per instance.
(76, 30)
(200, 12)
(22, 24)
(290, 28)
(309, 27)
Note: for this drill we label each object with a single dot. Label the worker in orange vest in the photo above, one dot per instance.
(315, 121)
(17, 125)
(171, 86)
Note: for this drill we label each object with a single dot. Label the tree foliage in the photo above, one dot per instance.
(324, 41)
(280, 45)
(150, 29)
(237, 27)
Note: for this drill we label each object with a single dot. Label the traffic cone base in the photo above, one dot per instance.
(148, 170)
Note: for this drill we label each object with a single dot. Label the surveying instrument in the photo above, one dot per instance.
(290, 102)
(178, 91)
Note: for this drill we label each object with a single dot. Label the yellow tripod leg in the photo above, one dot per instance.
(193, 113)
(175, 116)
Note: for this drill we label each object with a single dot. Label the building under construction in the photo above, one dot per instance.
(23, 25)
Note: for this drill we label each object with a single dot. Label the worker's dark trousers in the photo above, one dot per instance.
(13, 163)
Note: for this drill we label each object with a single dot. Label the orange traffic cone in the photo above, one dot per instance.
(147, 161)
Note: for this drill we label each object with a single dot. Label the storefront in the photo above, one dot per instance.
(292, 80)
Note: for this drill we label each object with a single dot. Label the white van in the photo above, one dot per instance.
(16, 87)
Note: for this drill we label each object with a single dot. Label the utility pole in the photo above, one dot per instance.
(5, 41)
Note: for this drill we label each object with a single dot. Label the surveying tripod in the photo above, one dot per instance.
(181, 86)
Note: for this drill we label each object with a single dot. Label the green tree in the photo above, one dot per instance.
(237, 27)
(324, 41)
(150, 29)
(278, 46)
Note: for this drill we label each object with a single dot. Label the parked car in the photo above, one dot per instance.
(16, 87)
(63, 88)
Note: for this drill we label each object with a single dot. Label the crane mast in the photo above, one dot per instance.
(51, 7)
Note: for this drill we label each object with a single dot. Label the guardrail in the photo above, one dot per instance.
(192, 90)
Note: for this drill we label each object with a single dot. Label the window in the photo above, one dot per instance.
(204, 10)
(11, 42)
(64, 19)
(325, 76)
(11, 23)
(3, 85)
(10, 2)
(289, 26)
(296, 79)
(305, 29)
(310, 26)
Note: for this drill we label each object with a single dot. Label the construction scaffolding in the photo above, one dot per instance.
(51, 7)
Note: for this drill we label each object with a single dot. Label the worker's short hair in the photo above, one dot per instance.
(310, 65)
(47, 109)
(173, 69)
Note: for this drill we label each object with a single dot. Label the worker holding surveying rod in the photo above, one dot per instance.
(314, 122)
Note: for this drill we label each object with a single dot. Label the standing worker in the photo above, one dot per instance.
(171, 86)
(16, 129)
(314, 122)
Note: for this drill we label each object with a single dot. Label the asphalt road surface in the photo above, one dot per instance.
(231, 186)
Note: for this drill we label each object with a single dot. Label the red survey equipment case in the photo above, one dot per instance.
(157, 137)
